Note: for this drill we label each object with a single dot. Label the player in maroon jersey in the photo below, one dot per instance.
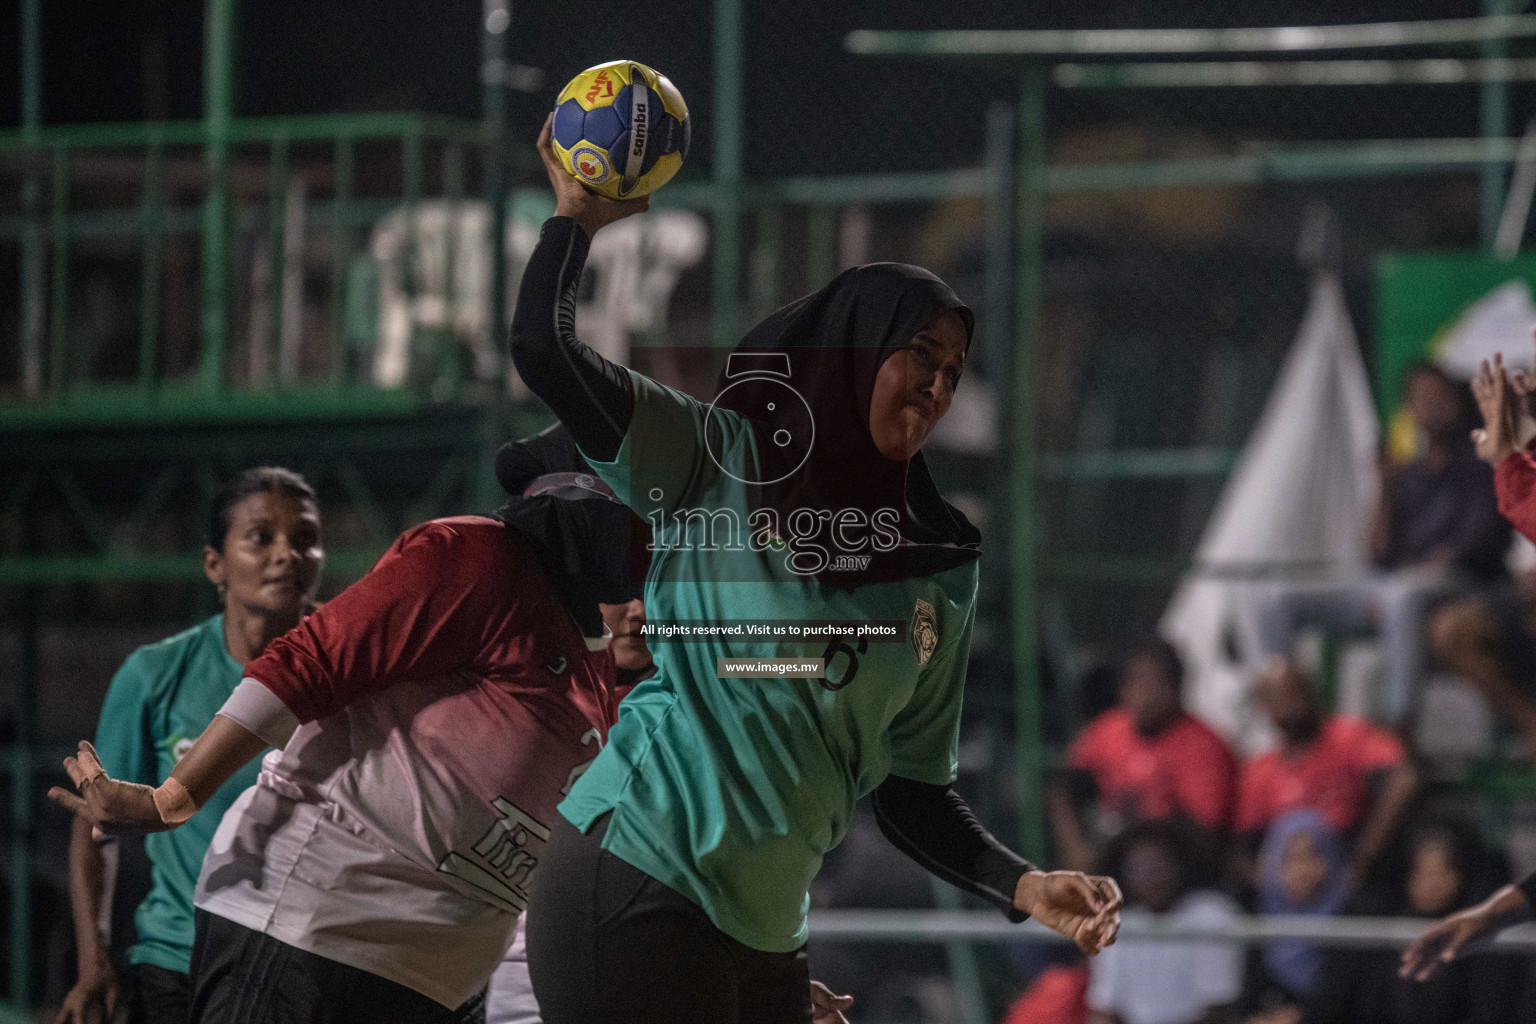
(426, 722)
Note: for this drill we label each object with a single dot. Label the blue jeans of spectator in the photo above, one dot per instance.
(1392, 605)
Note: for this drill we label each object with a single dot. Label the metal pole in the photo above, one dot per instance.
(996, 272)
(31, 200)
(493, 81)
(21, 806)
(218, 110)
(149, 272)
(1023, 506)
(1495, 124)
(727, 158)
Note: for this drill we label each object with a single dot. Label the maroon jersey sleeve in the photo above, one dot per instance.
(430, 606)
(1515, 481)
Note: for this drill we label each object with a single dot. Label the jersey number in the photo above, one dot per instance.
(835, 648)
(580, 770)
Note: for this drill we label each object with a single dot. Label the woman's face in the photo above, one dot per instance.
(272, 557)
(1303, 869)
(1152, 877)
(915, 386)
(625, 622)
(1433, 880)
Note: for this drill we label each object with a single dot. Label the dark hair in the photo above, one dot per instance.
(1159, 650)
(1193, 848)
(1481, 870)
(246, 483)
(1467, 414)
(1425, 368)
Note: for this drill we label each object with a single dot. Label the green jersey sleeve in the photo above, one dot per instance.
(123, 735)
(925, 734)
(675, 449)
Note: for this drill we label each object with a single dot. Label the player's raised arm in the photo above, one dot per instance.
(590, 394)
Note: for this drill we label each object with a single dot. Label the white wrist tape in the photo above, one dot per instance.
(257, 709)
(173, 802)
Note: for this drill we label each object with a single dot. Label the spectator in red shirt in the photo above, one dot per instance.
(1144, 759)
(1355, 774)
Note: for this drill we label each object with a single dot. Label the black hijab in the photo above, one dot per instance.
(592, 547)
(817, 452)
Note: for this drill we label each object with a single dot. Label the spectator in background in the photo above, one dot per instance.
(1448, 869)
(1141, 981)
(1058, 996)
(1437, 534)
(1488, 638)
(1303, 871)
(1355, 775)
(1144, 759)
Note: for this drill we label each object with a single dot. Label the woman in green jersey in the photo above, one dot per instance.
(675, 886)
(264, 555)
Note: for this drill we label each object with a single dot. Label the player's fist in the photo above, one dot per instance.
(1084, 908)
(114, 808)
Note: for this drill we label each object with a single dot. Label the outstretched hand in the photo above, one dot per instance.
(1459, 932)
(1500, 404)
(1084, 908)
(575, 200)
(115, 808)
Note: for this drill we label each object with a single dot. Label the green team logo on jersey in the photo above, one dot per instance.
(178, 746)
(924, 631)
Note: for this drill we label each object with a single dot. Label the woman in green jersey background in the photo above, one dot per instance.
(264, 555)
(675, 886)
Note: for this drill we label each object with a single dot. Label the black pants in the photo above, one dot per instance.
(159, 996)
(608, 944)
(240, 976)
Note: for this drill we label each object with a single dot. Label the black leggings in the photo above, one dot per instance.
(240, 976)
(608, 944)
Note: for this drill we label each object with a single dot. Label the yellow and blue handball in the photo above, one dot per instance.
(621, 129)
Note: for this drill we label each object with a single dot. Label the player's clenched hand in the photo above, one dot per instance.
(575, 200)
(826, 1007)
(114, 808)
(1084, 908)
(1451, 937)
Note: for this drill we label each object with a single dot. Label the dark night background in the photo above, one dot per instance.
(810, 106)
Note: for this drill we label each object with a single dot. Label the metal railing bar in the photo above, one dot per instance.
(987, 925)
(1306, 73)
(1279, 39)
(301, 128)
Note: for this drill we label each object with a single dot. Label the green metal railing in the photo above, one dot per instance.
(53, 153)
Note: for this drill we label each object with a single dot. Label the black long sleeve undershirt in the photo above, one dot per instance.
(932, 825)
(589, 394)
